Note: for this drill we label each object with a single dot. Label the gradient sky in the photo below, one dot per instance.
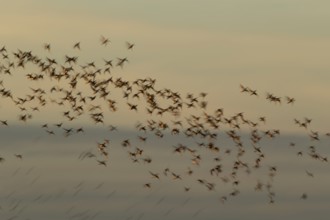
(213, 46)
(280, 47)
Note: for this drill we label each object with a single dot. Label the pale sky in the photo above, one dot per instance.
(213, 46)
(280, 47)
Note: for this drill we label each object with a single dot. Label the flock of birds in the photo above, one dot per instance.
(86, 90)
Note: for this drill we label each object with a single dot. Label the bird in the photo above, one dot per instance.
(129, 45)
(290, 100)
(309, 173)
(4, 122)
(154, 175)
(47, 47)
(147, 185)
(102, 162)
(121, 61)
(186, 189)
(19, 156)
(104, 41)
(76, 46)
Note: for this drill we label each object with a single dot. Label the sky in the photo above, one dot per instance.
(279, 47)
(190, 46)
